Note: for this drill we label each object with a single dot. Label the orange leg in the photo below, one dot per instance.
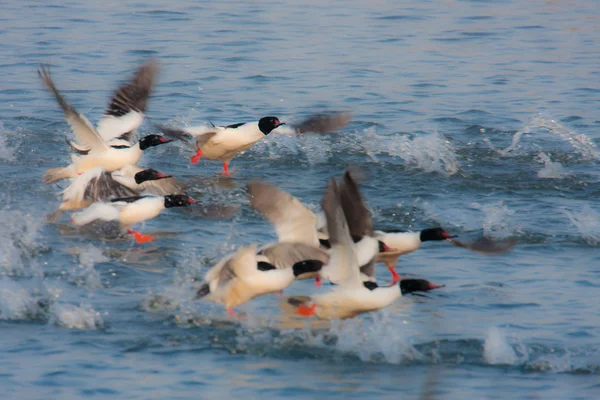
(231, 312)
(318, 282)
(395, 276)
(225, 168)
(196, 157)
(305, 311)
(139, 237)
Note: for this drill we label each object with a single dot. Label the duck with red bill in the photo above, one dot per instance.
(223, 143)
(127, 211)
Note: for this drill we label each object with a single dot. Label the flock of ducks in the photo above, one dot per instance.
(111, 193)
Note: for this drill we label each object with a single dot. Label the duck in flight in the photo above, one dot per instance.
(352, 294)
(99, 153)
(112, 216)
(222, 143)
(98, 184)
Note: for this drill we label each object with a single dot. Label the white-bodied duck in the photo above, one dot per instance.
(351, 295)
(244, 275)
(100, 153)
(112, 216)
(222, 143)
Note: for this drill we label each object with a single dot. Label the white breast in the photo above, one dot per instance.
(347, 302)
(111, 160)
(228, 142)
(402, 242)
(141, 210)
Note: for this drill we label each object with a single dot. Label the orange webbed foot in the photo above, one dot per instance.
(140, 237)
(196, 157)
(305, 311)
(226, 169)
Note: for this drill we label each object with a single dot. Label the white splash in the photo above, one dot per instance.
(431, 152)
(7, 152)
(19, 238)
(582, 144)
(73, 317)
(84, 274)
(497, 220)
(374, 341)
(587, 222)
(496, 349)
(551, 169)
(17, 302)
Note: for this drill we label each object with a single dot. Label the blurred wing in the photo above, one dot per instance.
(323, 123)
(293, 221)
(84, 131)
(486, 245)
(285, 255)
(357, 215)
(175, 133)
(162, 187)
(343, 266)
(200, 135)
(125, 112)
(214, 211)
(103, 187)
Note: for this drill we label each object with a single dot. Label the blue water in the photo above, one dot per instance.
(478, 116)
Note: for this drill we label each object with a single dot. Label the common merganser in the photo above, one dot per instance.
(126, 211)
(295, 223)
(399, 243)
(100, 153)
(351, 295)
(98, 184)
(248, 273)
(125, 112)
(224, 142)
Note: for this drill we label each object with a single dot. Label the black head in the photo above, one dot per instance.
(434, 234)
(152, 140)
(148, 175)
(416, 285)
(178, 200)
(304, 267)
(267, 124)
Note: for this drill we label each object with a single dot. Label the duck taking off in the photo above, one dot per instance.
(222, 143)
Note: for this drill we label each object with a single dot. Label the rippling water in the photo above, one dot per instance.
(479, 116)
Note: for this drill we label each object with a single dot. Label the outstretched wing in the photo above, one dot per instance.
(199, 134)
(323, 123)
(104, 187)
(357, 215)
(285, 255)
(486, 245)
(293, 221)
(343, 266)
(125, 112)
(83, 129)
